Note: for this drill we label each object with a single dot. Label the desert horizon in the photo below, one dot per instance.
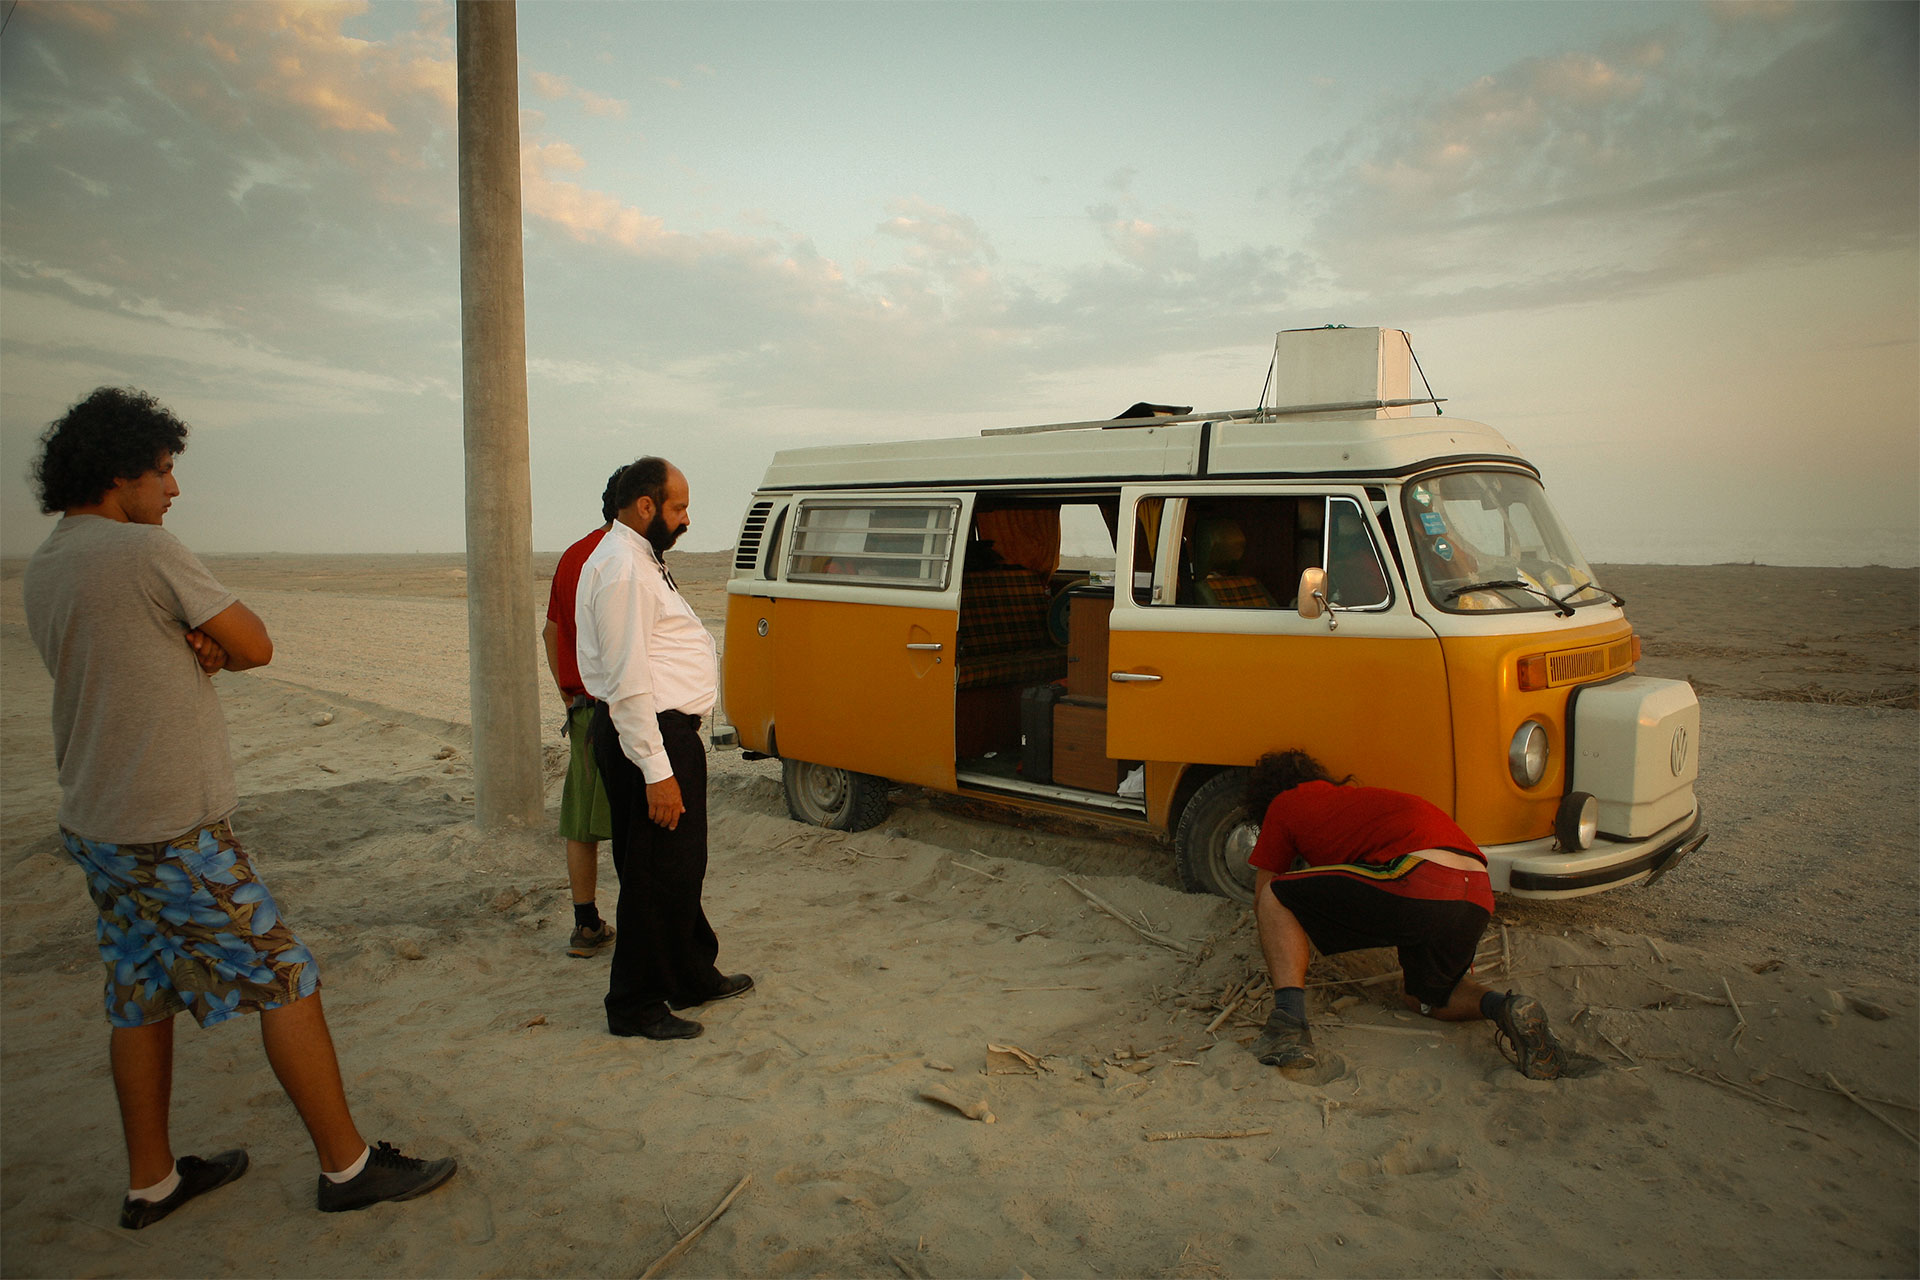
(1752, 1016)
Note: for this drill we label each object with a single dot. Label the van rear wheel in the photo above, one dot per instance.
(840, 799)
(1214, 837)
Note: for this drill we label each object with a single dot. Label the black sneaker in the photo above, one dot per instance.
(1522, 1034)
(1285, 1043)
(388, 1175)
(733, 984)
(197, 1177)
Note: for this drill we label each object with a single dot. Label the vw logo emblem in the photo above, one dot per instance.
(1677, 754)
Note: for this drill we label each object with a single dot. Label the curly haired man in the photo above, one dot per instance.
(132, 627)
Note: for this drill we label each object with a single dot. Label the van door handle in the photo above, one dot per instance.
(923, 647)
(1131, 677)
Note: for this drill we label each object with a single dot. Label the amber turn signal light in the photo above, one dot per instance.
(1533, 672)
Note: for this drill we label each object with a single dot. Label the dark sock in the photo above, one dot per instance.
(586, 915)
(1490, 1004)
(1291, 1001)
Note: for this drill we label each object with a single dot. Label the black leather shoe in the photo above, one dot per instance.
(197, 1177)
(664, 1027)
(733, 984)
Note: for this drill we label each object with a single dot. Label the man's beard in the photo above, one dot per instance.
(661, 535)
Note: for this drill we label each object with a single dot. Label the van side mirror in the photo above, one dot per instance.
(1312, 597)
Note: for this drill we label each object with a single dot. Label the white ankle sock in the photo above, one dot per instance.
(159, 1190)
(352, 1171)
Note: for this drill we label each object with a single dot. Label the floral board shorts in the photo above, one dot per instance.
(186, 925)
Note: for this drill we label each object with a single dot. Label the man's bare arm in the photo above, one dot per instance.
(241, 635)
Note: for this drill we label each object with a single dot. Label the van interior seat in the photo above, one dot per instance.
(1003, 637)
(1218, 546)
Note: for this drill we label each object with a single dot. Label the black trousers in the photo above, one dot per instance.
(666, 948)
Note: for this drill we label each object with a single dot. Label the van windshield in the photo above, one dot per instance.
(1489, 542)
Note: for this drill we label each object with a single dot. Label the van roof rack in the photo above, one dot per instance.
(1297, 410)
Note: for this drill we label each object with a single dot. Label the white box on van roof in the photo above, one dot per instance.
(1337, 365)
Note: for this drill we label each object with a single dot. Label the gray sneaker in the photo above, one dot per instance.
(1285, 1043)
(1522, 1034)
(388, 1175)
(588, 942)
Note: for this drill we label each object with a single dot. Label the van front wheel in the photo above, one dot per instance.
(1215, 835)
(822, 796)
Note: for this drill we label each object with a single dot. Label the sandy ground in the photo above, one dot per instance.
(1724, 1008)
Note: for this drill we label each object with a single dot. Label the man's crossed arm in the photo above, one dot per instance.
(233, 639)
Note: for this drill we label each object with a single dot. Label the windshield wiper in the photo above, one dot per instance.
(1561, 607)
(1619, 601)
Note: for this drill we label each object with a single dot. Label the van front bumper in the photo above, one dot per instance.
(1533, 869)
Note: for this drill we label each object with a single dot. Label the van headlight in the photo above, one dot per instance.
(1527, 753)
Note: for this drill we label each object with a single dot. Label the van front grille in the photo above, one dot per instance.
(746, 552)
(1581, 665)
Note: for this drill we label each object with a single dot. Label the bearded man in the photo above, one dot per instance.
(651, 667)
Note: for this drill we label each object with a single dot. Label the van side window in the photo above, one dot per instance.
(1146, 549)
(885, 544)
(1354, 575)
(772, 569)
(1243, 552)
(1247, 551)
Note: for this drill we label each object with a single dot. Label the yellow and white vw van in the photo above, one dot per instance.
(1113, 619)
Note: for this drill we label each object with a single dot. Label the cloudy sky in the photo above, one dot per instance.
(1668, 249)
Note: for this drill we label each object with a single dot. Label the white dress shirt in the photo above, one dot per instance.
(642, 649)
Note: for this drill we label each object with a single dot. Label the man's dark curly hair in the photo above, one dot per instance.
(642, 478)
(1283, 771)
(117, 433)
(609, 509)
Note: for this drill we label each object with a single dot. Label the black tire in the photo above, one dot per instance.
(839, 799)
(1214, 837)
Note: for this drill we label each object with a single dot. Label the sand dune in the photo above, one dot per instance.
(1722, 1009)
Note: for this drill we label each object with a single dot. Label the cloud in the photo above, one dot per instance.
(1698, 150)
(556, 88)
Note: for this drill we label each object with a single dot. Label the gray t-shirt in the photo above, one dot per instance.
(138, 734)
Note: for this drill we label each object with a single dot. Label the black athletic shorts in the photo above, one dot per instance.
(1436, 939)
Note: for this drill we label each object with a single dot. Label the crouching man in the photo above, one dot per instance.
(1345, 868)
(132, 628)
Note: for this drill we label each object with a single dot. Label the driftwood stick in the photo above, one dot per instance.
(1374, 981)
(1682, 991)
(1616, 1045)
(1748, 1089)
(1117, 914)
(1173, 1135)
(1722, 1082)
(1010, 990)
(1368, 1026)
(1735, 1005)
(976, 870)
(1870, 1109)
(1658, 954)
(672, 1255)
(1226, 1010)
(948, 1098)
(1823, 1088)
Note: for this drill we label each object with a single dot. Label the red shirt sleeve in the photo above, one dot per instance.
(1275, 850)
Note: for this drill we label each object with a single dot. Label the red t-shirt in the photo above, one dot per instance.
(566, 581)
(1363, 833)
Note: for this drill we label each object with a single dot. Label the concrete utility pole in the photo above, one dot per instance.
(503, 679)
